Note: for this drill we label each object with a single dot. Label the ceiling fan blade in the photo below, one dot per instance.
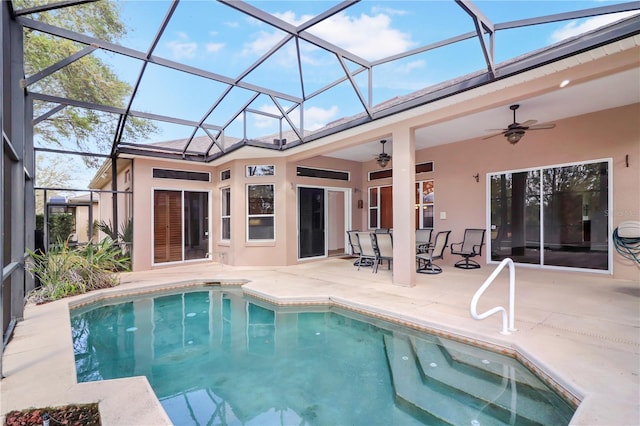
(528, 123)
(542, 126)
(494, 135)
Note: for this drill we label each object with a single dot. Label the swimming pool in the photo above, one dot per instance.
(213, 356)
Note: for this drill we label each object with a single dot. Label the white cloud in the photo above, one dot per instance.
(263, 122)
(389, 11)
(574, 28)
(409, 67)
(182, 47)
(370, 36)
(314, 117)
(214, 47)
(262, 42)
(403, 76)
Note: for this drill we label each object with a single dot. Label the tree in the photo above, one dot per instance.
(88, 79)
(52, 173)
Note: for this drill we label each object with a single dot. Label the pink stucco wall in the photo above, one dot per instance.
(612, 134)
(608, 134)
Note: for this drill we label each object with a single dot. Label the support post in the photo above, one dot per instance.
(404, 216)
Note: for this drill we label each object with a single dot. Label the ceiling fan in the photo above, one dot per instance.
(515, 131)
(383, 158)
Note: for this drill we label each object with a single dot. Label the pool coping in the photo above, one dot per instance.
(150, 411)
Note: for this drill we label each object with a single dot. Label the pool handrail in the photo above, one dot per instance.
(473, 308)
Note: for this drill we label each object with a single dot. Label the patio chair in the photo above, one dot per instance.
(470, 246)
(355, 247)
(383, 248)
(434, 252)
(423, 239)
(367, 253)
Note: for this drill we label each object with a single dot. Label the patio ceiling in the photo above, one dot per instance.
(288, 63)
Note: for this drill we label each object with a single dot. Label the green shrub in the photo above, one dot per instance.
(65, 271)
(124, 236)
(61, 226)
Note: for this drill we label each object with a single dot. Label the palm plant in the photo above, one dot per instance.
(124, 236)
(65, 271)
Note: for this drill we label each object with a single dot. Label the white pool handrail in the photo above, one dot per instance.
(473, 308)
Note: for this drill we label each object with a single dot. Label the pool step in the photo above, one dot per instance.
(483, 384)
(432, 385)
(475, 372)
(425, 402)
(490, 365)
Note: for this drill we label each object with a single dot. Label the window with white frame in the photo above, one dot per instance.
(424, 204)
(380, 207)
(261, 170)
(260, 212)
(225, 214)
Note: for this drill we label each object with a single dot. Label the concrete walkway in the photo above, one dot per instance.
(580, 330)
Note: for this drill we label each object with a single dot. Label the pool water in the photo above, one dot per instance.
(213, 356)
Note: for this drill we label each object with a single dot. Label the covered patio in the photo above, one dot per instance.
(579, 330)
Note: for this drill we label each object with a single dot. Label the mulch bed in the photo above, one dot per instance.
(71, 415)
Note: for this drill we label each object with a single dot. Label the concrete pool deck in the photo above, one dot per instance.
(581, 329)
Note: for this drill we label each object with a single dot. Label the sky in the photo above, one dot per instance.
(219, 39)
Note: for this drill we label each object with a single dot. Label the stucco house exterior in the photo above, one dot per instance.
(551, 200)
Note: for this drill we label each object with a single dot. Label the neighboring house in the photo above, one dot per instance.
(82, 212)
(553, 198)
(85, 210)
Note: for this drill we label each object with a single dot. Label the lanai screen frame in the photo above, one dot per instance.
(17, 172)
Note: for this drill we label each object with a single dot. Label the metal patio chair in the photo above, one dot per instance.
(470, 246)
(434, 252)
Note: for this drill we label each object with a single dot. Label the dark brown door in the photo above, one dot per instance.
(167, 226)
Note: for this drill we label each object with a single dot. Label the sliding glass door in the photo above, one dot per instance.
(323, 218)
(554, 216)
(180, 225)
(311, 222)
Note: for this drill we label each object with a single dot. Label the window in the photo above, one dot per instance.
(380, 174)
(225, 204)
(181, 174)
(322, 173)
(424, 167)
(380, 207)
(552, 216)
(260, 212)
(424, 204)
(263, 170)
(387, 173)
(225, 175)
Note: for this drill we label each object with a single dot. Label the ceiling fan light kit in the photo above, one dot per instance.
(383, 158)
(514, 136)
